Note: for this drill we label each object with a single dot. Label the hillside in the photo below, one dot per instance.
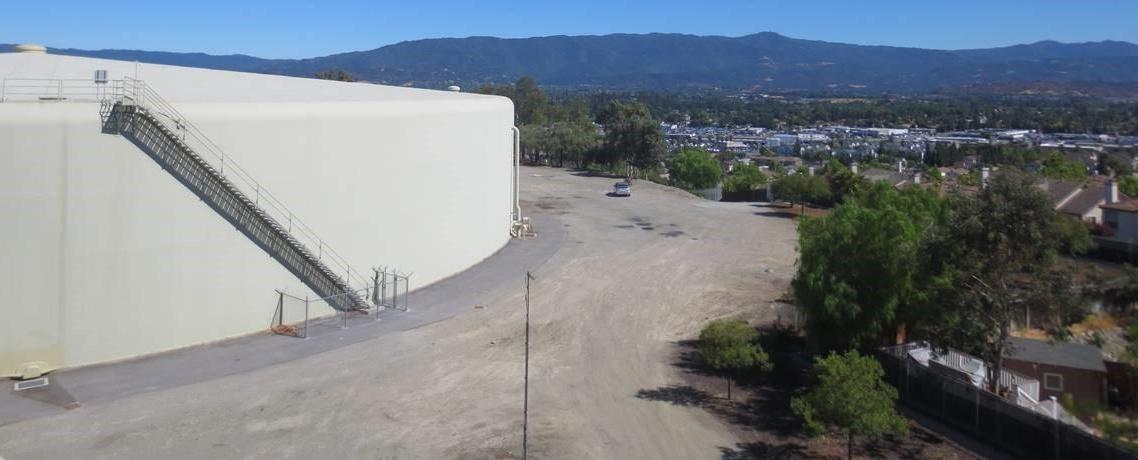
(765, 62)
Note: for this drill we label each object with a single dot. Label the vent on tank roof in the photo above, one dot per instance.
(29, 48)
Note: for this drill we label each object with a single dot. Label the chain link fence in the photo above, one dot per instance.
(390, 289)
(296, 316)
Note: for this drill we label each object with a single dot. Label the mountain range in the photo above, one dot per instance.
(762, 62)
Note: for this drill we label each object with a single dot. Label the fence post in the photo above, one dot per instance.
(1057, 430)
(406, 293)
(343, 316)
(375, 293)
(943, 390)
(998, 414)
(280, 308)
(977, 391)
(908, 397)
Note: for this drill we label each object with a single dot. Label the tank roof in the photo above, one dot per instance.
(191, 85)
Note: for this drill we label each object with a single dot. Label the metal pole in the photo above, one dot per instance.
(280, 308)
(525, 403)
(375, 293)
(406, 296)
(306, 317)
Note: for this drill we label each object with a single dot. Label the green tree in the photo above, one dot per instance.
(1130, 353)
(1128, 185)
(572, 141)
(744, 178)
(694, 169)
(631, 135)
(1113, 164)
(1125, 292)
(970, 179)
(843, 182)
(536, 142)
(986, 263)
(801, 188)
(530, 102)
(1057, 166)
(857, 277)
(1074, 236)
(335, 75)
(728, 345)
(851, 397)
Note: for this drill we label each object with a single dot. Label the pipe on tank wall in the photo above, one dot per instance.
(517, 174)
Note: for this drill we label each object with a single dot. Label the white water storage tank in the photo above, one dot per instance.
(104, 255)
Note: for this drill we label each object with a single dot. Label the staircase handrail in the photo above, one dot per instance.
(141, 94)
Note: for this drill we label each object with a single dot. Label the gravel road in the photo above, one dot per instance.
(631, 277)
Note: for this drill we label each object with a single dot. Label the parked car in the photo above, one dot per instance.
(622, 189)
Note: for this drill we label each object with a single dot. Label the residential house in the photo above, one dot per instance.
(1122, 217)
(1015, 386)
(961, 366)
(1061, 368)
(897, 177)
(1081, 201)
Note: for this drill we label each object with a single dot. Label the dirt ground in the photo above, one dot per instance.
(758, 414)
(634, 277)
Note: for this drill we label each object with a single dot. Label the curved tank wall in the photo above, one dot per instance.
(105, 256)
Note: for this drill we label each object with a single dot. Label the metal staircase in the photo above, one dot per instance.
(134, 111)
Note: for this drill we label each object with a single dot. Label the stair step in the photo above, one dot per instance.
(237, 207)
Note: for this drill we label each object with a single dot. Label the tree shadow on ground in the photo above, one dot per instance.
(760, 410)
(762, 403)
(588, 173)
(765, 450)
(906, 448)
(778, 214)
(760, 414)
(680, 395)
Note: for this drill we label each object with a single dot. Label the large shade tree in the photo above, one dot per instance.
(744, 178)
(857, 277)
(993, 256)
(694, 169)
(801, 188)
(631, 135)
(550, 133)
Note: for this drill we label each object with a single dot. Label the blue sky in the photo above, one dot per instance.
(296, 28)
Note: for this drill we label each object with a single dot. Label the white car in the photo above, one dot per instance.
(622, 189)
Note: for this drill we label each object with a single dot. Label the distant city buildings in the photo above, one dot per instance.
(853, 142)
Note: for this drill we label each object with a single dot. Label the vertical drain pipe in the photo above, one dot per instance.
(517, 211)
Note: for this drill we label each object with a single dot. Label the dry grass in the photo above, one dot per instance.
(1036, 334)
(1095, 322)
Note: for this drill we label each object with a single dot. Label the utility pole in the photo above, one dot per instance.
(525, 403)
